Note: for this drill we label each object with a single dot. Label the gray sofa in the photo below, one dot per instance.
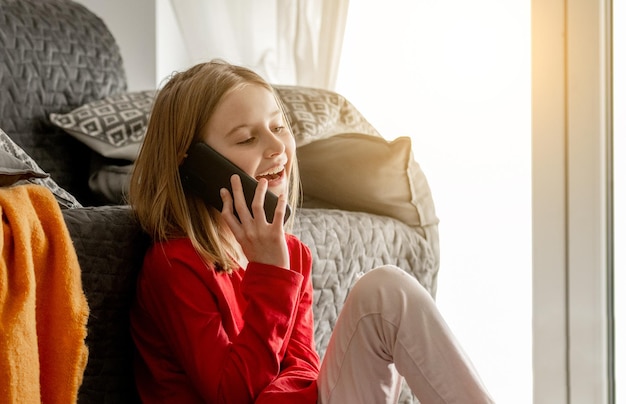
(56, 56)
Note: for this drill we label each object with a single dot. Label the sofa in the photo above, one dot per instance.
(366, 202)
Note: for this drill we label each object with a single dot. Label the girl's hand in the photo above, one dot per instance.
(261, 241)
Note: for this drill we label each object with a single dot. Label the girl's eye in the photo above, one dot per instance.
(246, 141)
(278, 129)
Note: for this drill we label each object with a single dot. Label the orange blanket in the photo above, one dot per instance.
(43, 310)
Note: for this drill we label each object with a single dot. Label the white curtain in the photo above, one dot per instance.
(286, 41)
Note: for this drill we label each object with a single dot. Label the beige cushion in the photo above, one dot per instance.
(361, 172)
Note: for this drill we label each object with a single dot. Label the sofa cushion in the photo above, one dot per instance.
(114, 126)
(38, 176)
(110, 246)
(360, 172)
(316, 113)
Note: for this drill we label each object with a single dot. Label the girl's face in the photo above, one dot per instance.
(248, 128)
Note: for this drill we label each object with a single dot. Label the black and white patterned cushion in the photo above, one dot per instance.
(317, 114)
(114, 126)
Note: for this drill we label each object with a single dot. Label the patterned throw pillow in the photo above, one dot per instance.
(114, 126)
(65, 199)
(317, 114)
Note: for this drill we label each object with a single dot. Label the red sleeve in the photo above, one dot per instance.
(300, 364)
(181, 298)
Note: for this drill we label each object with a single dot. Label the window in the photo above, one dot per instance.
(455, 77)
(619, 193)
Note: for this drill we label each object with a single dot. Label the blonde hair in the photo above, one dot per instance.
(181, 110)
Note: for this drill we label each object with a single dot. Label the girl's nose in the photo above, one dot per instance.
(274, 145)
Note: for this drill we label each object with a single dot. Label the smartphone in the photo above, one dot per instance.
(205, 171)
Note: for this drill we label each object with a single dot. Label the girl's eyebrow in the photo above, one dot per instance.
(272, 115)
(236, 128)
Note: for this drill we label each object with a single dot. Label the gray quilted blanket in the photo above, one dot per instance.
(345, 244)
(110, 247)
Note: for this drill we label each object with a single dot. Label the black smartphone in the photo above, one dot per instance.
(205, 171)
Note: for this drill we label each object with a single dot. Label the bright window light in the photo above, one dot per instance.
(454, 75)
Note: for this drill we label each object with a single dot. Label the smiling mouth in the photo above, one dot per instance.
(272, 174)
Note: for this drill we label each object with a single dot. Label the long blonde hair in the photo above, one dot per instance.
(181, 110)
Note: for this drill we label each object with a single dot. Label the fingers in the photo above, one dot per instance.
(260, 241)
(258, 202)
(280, 211)
(258, 206)
(239, 199)
(255, 210)
(228, 210)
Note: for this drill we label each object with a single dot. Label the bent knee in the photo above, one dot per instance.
(389, 280)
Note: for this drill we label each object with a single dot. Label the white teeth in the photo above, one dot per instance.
(275, 170)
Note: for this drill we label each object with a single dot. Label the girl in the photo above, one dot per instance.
(223, 310)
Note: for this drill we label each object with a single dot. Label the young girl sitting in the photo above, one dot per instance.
(223, 310)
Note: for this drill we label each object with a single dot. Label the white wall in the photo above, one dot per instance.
(133, 24)
(171, 52)
(148, 36)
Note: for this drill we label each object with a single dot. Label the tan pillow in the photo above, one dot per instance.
(360, 172)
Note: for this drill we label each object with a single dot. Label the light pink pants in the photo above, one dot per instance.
(390, 328)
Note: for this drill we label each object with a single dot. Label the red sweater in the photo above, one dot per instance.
(211, 337)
